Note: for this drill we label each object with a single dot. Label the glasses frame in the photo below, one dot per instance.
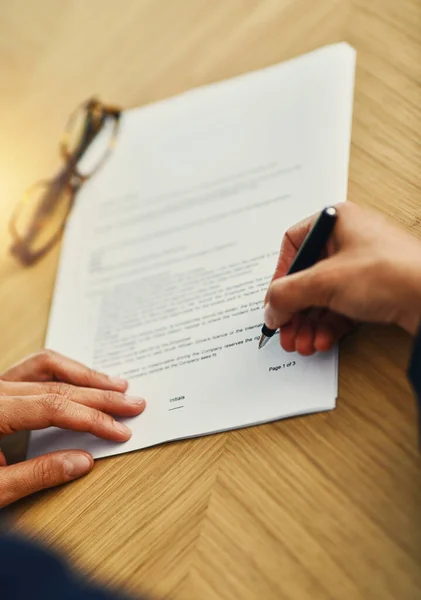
(68, 180)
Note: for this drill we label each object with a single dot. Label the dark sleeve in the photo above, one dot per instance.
(28, 571)
(414, 371)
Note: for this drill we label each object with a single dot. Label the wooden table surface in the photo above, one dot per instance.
(325, 506)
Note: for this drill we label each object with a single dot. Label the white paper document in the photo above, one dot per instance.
(170, 248)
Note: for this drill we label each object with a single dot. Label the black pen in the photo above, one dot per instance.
(308, 254)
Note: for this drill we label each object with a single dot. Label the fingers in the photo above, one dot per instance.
(38, 412)
(40, 473)
(314, 287)
(113, 403)
(330, 329)
(315, 331)
(288, 333)
(291, 243)
(299, 334)
(304, 342)
(48, 365)
(324, 338)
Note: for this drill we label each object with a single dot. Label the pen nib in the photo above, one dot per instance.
(263, 340)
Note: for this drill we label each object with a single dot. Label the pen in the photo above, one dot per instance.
(308, 254)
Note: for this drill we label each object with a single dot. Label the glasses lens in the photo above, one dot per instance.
(89, 137)
(40, 216)
(75, 128)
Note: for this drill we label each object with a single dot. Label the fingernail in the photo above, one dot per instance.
(122, 428)
(77, 465)
(118, 381)
(271, 317)
(134, 400)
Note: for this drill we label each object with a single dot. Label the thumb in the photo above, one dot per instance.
(49, 470)
(314, 287)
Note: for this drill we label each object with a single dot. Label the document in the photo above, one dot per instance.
(170, 248)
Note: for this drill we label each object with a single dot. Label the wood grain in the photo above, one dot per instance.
(327, 506)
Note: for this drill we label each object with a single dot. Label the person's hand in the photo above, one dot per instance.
(46, 390)
(371, 272)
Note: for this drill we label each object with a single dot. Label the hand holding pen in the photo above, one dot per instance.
(307, 255)
(371, 271)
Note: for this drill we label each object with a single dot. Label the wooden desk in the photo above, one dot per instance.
(326, 506)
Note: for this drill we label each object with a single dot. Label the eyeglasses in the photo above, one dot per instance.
(40, 217)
